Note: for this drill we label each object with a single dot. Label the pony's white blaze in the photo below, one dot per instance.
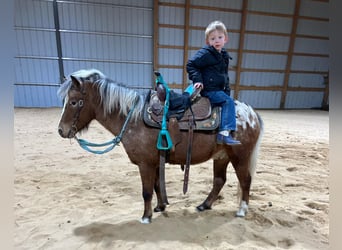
(66, 100)
(246, 115)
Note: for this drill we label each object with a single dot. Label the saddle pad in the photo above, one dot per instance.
(206, 118)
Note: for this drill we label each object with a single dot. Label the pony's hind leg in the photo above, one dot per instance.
(245, 179)
(220, 176)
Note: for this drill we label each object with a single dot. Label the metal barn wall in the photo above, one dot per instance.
(112, 36)
(36, 64)
(279, 47)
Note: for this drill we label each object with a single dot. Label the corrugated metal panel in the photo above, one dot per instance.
(315, 46)
(171, 37)
(274, 6)
(266, 43)
(173, 1)
(197, 39)
(310, 63)
(269, 23)
(36, 68)
(38, 71)
(102, 47)
(261, 99)
(30, 13)
(315, 8)
(120, 19)
(306, 80)
(36, 43)
(171, 15)
(172, 76)
(113, 36)
(171, 56)
(117, 38)
(262, 79)
(313, 27)
(36, 96)
(124, 73)
(307, 99)
(262, 61)
(200, 17)
(236, 4)
(168, 36)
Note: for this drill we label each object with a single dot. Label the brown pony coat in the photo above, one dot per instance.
(89, 95)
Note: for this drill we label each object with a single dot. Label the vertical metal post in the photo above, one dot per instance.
(244, 13)
(293, 34)
(186, 43)
(155, 37)
(58, 42)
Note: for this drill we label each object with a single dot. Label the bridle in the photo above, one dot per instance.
(80, 105)
(112, 143)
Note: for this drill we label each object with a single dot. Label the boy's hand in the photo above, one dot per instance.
(198, 85)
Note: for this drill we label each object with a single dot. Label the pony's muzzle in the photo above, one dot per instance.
(66, 133)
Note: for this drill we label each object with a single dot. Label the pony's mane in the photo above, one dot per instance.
(113, 95)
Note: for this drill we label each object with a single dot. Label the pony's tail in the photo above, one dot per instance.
(255, 153)
(254, 157)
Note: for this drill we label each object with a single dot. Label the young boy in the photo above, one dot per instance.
(208, 70)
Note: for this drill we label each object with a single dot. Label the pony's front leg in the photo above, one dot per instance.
(160, 205)
(147, 174)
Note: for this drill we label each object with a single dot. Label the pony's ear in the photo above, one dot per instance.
(75, 83)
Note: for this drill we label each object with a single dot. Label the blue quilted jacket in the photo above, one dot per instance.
(211, 68)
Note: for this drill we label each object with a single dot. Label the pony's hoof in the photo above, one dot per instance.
(241, 213)
(145, 220)
(159, 209)
(242, 210)
(202, 207)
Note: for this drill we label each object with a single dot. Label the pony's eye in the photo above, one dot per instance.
(76, 103)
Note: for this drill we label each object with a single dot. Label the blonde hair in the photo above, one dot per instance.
(215, 25)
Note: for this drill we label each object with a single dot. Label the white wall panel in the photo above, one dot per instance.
(112, 36)
(170, 36)
(171, 15)
(171, 56)
(315, 46)
(236, 4)
(263, 79)
(310, 63)
(116, 37)
(262, 61)
(274, 6)
(172, 76)
(314, 9)
(261, 99)
(200, 17)
(313, 27)
(266, 42)
(304, 100)
(269, 23)
(306, 80)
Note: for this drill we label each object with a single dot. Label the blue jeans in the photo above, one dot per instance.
(220, 98)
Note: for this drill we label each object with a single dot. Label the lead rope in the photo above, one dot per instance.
(85, 144)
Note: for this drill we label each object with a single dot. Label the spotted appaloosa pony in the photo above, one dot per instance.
(89, 95)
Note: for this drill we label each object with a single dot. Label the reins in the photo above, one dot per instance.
(115, 141)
